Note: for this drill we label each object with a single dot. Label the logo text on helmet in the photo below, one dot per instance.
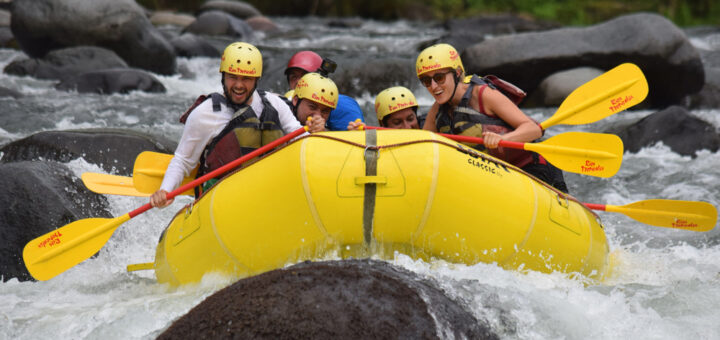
(424, 68)
(401, 106)
(302, 83)
(453, 55)
(240, 70)
(323, 100)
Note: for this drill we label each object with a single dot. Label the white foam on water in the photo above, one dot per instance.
(665, 283)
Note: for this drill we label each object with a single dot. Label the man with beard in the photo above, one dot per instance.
(229, 125)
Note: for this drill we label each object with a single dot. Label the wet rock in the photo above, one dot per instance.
(114, 150)
(4, 18)
(555, 88)
(239, 9)
(191, 45)
(462, 33)
(670, 63)
(353, 299)
(675, 127)
(6, 38)
(38, 197)
(6, 92)
(346, 23)
(220, 23)
(166, 18)
(109, 81)
(41, 26)
(66, 62)
(358, 74)
(709, 95)
(262, 23)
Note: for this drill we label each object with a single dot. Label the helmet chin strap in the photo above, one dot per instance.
(457, 82)
(295, 108)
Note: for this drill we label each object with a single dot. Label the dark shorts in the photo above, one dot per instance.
(547, 173)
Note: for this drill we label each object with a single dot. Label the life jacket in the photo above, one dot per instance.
(244, 133)
(467, 121)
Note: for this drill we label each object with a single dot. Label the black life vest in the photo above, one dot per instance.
(466, 121)
(244, 133)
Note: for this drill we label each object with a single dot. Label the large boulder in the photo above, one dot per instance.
(107, 81)
(6, 37)
(671, 64)
(191, 45)
(358, 74)
(220, 23)
(675, 127)
(465, 32)
(353, 299)
(262, 23)
(553, 90)
(41, 26)
(113, 149)
(66, 62)
(7, 92)
(709, 95)
(38, 197)
(167, 18)
(239, 9)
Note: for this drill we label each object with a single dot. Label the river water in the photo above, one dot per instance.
(665, 283)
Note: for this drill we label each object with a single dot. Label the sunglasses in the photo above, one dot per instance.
(439, 78)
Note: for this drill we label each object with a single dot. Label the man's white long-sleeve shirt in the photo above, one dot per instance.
(203, 124)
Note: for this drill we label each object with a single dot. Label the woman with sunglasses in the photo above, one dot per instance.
(472, 107)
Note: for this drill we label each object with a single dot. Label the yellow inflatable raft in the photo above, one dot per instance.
(374, 193)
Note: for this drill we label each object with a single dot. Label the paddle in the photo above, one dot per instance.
(149, 170)
(148, 173)
(57, 251)
(593, 154)
(686, 215)
(111, 184)
(609, 93)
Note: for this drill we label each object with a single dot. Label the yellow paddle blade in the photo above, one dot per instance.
(593, 154)
(140, 266)
(111, 184)
(687, 215)
(614, 91)
(149, 170)
(57, 251)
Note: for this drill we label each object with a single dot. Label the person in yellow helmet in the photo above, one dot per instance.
(314, 98)
(228, 125)
(474, 107)
(396, 108)
(304, 62)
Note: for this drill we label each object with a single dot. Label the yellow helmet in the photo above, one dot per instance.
(242, 59)
(438, 57)
(289, 94)
(317, 88)
(392, 100)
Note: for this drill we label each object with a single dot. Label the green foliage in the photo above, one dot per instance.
(566, 12)
(583, 12)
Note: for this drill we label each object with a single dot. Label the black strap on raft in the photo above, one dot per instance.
(371, 157)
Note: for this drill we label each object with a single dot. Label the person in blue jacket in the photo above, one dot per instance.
(303, 62)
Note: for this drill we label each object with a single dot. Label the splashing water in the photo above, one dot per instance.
(664, 284)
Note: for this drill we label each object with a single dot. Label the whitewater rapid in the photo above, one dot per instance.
(664, 283)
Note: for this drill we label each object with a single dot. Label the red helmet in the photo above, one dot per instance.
(306, 60)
